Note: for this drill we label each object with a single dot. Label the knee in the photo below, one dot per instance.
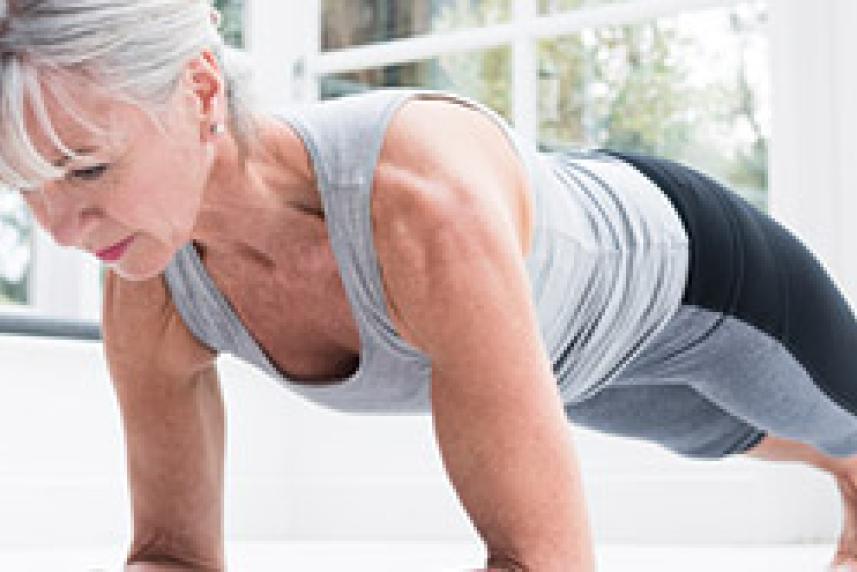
(717, 446)
(840, 448)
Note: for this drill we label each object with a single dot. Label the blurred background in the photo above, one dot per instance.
(759, 94)
(655, 77)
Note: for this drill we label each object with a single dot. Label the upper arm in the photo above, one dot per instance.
(172, 412)
(144, 331)
(453, 267)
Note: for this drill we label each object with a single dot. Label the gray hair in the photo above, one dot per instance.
(133, 50)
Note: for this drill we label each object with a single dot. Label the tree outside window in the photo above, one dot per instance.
(232, 25)
(693, 88)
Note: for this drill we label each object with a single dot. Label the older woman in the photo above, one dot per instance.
(399, 251)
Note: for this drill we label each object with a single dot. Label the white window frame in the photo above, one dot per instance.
(813, 163)
(64, 282)
(814, 73)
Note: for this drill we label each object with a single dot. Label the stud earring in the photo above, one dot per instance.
(218, 129)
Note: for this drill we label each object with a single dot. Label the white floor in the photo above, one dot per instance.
(428, 557)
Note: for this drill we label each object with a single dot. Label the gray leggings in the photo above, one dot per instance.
(763, 342)
(719, 395)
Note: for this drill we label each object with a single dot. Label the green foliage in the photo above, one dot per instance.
(232, 25)
(15, 224)
(629, 88)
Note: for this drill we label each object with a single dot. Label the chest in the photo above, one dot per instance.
(295, 306)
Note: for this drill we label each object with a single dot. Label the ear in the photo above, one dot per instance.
(206, 87)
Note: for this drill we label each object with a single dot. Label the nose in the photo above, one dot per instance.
(67, 218)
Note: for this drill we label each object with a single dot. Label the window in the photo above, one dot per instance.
(232, 25)
(16, 246)
(475, 74)
(347, 23)
(693, 87)
(691, 84)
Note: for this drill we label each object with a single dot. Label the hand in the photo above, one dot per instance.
(510, 567)
(156, 567)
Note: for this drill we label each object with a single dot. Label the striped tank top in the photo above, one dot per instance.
(607, 267)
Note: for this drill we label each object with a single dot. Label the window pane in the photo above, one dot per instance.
(15, 249)
(695, 88)
(483, 75)
(346, 23)
(556, 6)
(232, 26)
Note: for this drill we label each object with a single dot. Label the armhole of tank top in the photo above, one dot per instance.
(383, 322)
(498, 120)
(536, 172)
(534, 175)
(377, 323)
(177, 283)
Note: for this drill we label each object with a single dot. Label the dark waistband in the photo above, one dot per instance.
(733, 267)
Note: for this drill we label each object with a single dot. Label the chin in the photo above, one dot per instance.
(138, 269)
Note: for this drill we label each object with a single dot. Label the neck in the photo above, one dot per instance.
(246, 199)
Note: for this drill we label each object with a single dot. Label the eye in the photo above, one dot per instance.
(90, 173)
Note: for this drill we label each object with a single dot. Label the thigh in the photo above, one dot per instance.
(653, 399)
(676, 417)
(782, 354)
(755, 378)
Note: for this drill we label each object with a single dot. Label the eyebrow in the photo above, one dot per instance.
(63, 161)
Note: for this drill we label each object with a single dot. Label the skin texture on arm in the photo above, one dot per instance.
(451, 253)
(173, 418)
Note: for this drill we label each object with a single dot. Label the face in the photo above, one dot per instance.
(136, 181)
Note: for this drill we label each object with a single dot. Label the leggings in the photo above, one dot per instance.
(762, 342)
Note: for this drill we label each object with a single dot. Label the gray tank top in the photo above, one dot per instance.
(607, 267)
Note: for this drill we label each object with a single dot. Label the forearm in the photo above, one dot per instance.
(175, 451)
(518, 476)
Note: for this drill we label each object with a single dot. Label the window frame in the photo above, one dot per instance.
(80, 295)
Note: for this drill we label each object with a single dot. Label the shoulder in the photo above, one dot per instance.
(143, 330)
(444, 200)
(438, 156)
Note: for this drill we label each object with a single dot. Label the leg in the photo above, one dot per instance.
(674, 417)
(843, 470)
(647, 402)
(773, 448)
(784, 356)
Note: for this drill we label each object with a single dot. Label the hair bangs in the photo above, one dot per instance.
(22, 166)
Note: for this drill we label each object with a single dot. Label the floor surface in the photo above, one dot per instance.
(429, 557)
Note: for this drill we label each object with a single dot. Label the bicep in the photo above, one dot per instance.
(143, 329)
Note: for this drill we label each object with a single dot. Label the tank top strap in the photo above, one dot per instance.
(344, 137)
(206, 312)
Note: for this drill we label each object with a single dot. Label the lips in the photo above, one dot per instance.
(116, 251)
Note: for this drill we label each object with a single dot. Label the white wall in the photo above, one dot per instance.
(813, 167)
(297, 472)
